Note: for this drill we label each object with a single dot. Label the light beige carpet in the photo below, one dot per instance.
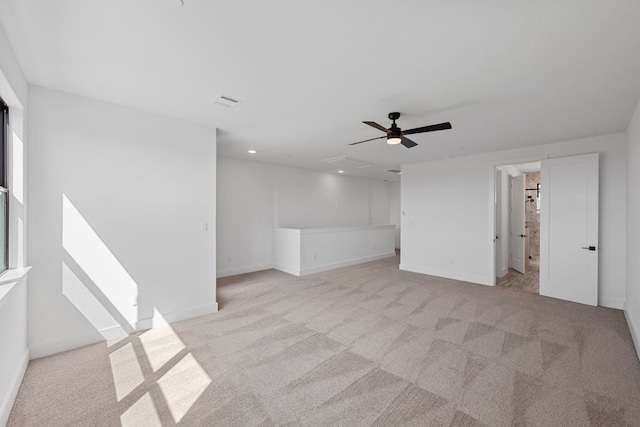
(364, 345)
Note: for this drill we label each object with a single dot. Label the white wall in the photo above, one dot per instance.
(632, 308)
(254, 198)
(379, 203)
(287, 249)
(312, 250)
(118, 200)
(307, 199)
(14, 351)
(246, 216)
(448, 227)
(328, 249)
(13, 84)
(395, 212)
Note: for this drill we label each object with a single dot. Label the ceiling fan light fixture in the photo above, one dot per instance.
(395, 135)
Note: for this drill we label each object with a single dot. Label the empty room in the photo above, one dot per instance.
(253, 213)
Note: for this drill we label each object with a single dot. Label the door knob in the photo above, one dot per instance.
(523, 235)
(589, 248)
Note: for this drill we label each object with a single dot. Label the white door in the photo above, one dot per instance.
(517, 234)
(569, 228)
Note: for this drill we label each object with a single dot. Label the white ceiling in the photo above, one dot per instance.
(504, 73)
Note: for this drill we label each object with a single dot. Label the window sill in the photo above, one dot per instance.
(13, 274)
(9, 279)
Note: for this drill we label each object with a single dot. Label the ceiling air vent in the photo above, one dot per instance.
(394, 171)
(226, 101)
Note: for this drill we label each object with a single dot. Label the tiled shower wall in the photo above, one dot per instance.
(532, 217)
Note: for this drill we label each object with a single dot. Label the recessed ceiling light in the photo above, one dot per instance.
(340, 171)
(252, 151)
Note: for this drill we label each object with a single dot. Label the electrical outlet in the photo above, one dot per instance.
(315, 257)
(204, 227)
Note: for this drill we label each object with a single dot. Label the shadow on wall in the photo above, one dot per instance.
(151, 371)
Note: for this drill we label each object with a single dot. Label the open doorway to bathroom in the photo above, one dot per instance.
(518, 226)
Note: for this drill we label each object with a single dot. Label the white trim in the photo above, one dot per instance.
(479, 280)
(71, 343)
(322, 230)
(503, 272)
(286, 269)
(7, 401)
(634, 331)
(115, 332)
(243, 270)
(176, 316)
(520, 160)
(492, 205)
(13, 274)
(333, 266)
(616, 303)
(9, 280)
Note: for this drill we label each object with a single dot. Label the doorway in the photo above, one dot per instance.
(568, 198)
(517, 198)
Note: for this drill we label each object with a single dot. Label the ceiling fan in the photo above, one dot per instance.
(395, 135)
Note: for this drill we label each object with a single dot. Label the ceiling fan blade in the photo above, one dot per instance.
(367, 140)
(377, 126)
(430, 128)
(407, 142)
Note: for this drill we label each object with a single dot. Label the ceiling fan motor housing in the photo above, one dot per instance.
(394, 130)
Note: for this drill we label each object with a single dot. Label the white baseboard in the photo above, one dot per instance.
(243, 270)
(448, 274)
(333, 266)
(503, 272)
(635, 332)
(12, 391)
(616, 303)
(176, 316)
(70, 343)
(286, 269)
(114, 332)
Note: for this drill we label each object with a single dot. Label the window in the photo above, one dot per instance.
(4, 191)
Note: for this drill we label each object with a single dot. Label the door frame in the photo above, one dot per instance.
(491, 235)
